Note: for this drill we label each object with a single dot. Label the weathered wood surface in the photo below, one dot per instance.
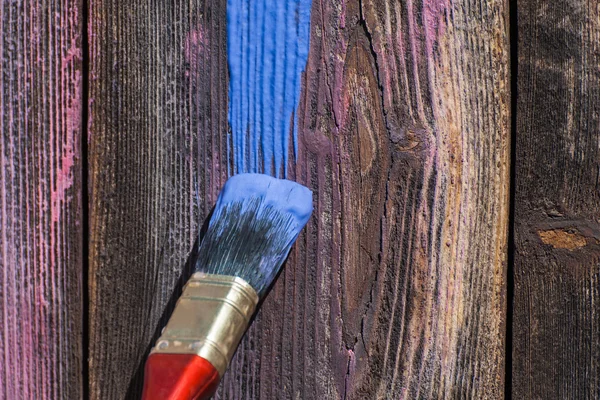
(157, 118)
(41, 225)
(556, 326)
(397, 288)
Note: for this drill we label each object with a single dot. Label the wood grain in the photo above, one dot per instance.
(397, 288)
(157, 132)
(41, 259)
(557, 202)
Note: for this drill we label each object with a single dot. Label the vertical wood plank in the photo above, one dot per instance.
(557, 204)
(41, 258)
(397, 287)
(157, 131)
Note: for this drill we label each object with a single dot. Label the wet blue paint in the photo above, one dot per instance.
(281, 194)
(267, 48)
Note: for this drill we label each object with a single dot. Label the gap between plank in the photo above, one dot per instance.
(85, 68)
(510, 268)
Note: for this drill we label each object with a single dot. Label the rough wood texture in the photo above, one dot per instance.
(40, 200)
(557, 202)
(397, 288)
(157, 104)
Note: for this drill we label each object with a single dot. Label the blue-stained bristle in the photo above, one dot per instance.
(256, 221)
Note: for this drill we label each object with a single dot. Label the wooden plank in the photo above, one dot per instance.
(157, 130)
(557, 202)
(397, 287)
(41, 258)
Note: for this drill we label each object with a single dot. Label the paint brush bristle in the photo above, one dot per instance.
(256, 221)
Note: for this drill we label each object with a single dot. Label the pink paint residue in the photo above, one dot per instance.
(64, 177)
(343, 15)
(70, 146)
(196, 47)
(37, 167)
(73, 56)
(350, 371)
(351, 362)
(197, 52)
(433, 22)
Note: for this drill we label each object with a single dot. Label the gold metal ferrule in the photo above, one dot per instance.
(210, 319)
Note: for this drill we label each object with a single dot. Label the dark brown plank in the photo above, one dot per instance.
(397, 288)
(157, 130)
(41, 259)
(557, 203)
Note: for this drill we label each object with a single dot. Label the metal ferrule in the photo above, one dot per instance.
(210, 319)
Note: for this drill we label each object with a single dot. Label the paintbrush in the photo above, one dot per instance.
(255, 222)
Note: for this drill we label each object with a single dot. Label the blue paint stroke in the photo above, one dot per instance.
(280, 194)
(267, 48)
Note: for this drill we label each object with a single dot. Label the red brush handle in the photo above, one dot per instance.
(179, 377)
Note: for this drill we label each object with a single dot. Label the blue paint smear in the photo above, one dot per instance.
(280, 194)
(267, 48)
